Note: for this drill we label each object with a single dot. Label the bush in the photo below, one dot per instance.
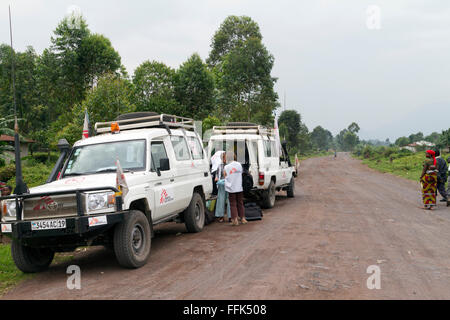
(7, 172)
(33, 175)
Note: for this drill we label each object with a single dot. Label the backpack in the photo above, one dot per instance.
(252, 211)
(247, 181)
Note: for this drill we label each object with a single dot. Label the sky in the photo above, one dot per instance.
(382, 64)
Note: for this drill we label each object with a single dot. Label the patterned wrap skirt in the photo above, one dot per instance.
(429, 187)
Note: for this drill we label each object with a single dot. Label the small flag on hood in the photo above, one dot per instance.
(85, 125)
(121, 183)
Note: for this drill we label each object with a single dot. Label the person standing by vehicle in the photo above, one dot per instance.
(442, 176)
(233, 185)
(222, 195)
(428, 180)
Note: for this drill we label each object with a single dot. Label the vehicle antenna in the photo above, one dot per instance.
(21, 186)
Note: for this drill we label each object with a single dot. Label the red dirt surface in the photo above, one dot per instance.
(318, 245)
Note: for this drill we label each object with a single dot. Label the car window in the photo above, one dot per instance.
(180, 148)
(158, 152)
(267, 149)
(196, 148)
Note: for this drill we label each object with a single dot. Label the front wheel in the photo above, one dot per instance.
(194, 216)
(132, 240)
(31, 260)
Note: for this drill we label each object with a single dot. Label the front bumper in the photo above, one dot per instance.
(74, 226)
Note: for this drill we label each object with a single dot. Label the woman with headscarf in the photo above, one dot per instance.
(222, 196)
(216, 164)
(428, 180)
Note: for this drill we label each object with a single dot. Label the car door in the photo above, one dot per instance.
(184, 171)
(161, 180)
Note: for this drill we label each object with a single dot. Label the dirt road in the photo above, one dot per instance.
(344, 218)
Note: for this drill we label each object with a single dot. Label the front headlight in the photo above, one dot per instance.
(8, 209)
(99, 201)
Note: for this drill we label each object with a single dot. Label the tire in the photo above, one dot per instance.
(194, 216)
(29, 259)
(291, 188)
(268, 196)
(132, 240)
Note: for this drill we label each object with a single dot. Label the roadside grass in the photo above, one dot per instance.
(10, 276)
(302, 157)
(409, 166)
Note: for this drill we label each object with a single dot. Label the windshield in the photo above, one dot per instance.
(98, 158)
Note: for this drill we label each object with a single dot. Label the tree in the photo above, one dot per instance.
(290, 124)
(444, 140)
(233, 33)
(97, 57)
(66, 45)
(81, 58)
(154, 84)
(242, 66)
(402, 141)
(194, 88)
(415, 137)
(111, 97)
(321, 138)
(353, 127)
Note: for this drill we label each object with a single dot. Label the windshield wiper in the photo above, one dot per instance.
(74, 174)
(111, 170)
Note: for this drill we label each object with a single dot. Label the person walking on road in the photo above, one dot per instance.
(442, 176)
(428, 180)
(233, 185)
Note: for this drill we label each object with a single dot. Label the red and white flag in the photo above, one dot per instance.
(121, 183)
(85, 126)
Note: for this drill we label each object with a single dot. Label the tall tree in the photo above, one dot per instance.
(154, 84)
(321, 138)
(194, 88)
(243, 66)
(233, 33)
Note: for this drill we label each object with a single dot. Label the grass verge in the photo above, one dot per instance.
(10, 276)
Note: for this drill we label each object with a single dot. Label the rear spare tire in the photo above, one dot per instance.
(132, 240)
(29, 259)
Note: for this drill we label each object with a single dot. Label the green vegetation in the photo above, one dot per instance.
(9, 274)
(402, 163)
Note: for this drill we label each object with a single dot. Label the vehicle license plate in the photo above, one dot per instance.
(48, 224)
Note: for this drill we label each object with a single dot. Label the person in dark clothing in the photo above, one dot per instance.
(442, 175)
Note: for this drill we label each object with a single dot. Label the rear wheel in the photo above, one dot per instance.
(132, 240)
(291, 188)
(268, 196)
(31, 260)
(194, 216)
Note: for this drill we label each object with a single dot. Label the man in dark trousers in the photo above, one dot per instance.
(442, 175)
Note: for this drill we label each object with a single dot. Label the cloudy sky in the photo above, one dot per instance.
(335, 61)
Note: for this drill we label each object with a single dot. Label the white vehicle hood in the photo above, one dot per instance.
(83, 182)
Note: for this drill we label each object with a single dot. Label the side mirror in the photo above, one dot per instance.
(164, 164)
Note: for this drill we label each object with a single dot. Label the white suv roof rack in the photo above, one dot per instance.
(161, 120)
(248, 129)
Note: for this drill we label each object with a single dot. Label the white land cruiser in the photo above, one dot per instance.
(256, 150)
(167, 173)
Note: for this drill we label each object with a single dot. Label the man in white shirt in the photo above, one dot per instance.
(233, 185)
